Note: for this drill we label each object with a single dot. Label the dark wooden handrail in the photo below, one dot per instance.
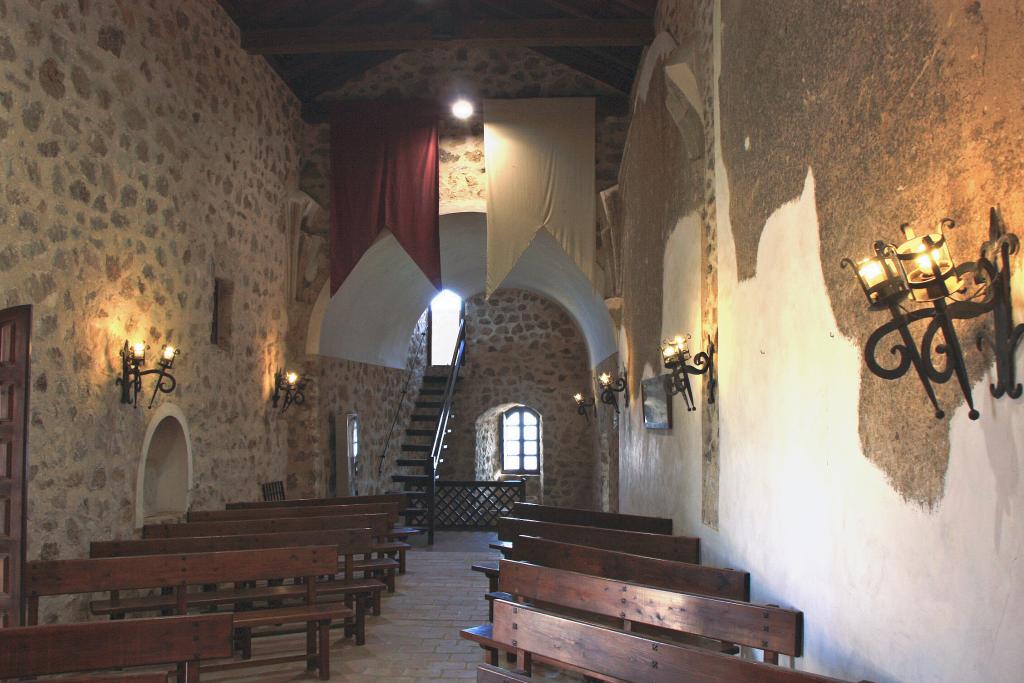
(442, 424)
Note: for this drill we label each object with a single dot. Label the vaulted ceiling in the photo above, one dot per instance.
(318, 46)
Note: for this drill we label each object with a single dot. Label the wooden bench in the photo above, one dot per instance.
(400, 498)
(358, 593)
(72, 577)
(606, 520)
(486, 673)
(677, 576)
(656, 612)
(385, 545)
(379, 525)
(678, 548)
(614, 655)
(72, 648)
(392, 510)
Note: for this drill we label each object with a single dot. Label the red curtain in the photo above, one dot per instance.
(384, 166)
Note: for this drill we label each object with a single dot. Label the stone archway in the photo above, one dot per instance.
(164, 482)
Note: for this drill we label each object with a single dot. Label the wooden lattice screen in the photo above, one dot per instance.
(475, 504)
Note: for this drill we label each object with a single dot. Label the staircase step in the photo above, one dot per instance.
(436, 405)
(426, 391)
(435, 379)
(424, 418)
(414, 462)
(411, 478)
(419, 432)
(415, 448)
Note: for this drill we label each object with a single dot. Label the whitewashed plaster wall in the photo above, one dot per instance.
(890, 590)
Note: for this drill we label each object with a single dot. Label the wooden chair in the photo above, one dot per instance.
(71, 577)
(273, 490)
(613, 655)
(70, 648)
(666, 547)
(357, 593)
(662, 614)
(607, 520)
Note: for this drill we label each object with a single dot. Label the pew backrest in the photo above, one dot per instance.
(66, 648)
(606, 520)
(664, 546)
(379, 523)
(400, 498)
(348, 542)
(773, 629)
(70, 577)
(625, 656)
(650, 571)
(392, 510)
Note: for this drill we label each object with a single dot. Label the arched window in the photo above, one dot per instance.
(520, 441)
(446, 312)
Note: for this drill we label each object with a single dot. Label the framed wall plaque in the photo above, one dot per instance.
(657, 402)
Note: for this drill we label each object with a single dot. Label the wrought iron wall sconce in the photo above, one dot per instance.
(675, 353)
(583, 406)
(133, 358)
(292, 385)
(609, 387)
(922, 271)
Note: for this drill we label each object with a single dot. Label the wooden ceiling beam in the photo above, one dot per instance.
(420, 35)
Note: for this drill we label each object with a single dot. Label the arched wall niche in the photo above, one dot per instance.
(164, 480)
(488, 450)
(386, 293)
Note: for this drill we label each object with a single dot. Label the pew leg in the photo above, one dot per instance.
(350, 624)
(311, 638)
(401, 561)
(771, 657)
(376, 603)
(525, 661)
(490, 656)
(389, 580)
(183, 672)
(192, 671)
(360, 620)
(245, 642)
(324, 654)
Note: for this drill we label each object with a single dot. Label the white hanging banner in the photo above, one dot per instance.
(540, 174)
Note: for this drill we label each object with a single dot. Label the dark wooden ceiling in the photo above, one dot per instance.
(319, 45)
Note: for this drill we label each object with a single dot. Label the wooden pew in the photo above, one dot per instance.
(400, 498)
(358, 593)
(72, 577)
(606, 520)
(613, 655)
(72, 648)
(677, 576)
(378, 523)
(486, 673)
(678, 548)
(392, 510)
(660, 613)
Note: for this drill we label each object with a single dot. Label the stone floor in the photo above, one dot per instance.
(416, 638)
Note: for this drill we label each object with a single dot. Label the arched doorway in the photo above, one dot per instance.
(165, 471)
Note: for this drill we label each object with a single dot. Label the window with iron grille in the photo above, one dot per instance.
(519, 435)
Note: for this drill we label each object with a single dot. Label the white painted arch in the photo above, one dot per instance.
(372, 316)
(163, 484)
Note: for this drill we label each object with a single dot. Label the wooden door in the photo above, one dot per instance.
(14, 374)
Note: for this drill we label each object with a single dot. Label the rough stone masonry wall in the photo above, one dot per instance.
(825, 126)
(524, 349)
(142, 154)
(375, 394)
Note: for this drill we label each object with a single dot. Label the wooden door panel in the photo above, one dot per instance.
(14, 375)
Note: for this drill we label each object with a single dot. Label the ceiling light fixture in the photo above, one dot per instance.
(462, 108)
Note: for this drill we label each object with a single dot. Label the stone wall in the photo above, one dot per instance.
(144, 154)
(382, 397)
(522, 349)
(767, 143)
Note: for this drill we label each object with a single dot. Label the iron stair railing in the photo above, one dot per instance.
(442, 428)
